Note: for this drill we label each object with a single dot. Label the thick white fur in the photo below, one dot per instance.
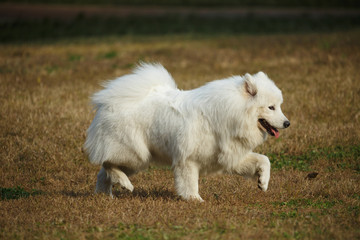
(143, 117)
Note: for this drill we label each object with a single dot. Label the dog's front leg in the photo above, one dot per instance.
(187, 180)
(255, 165)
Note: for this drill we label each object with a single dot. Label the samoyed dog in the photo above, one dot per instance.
(143, 118)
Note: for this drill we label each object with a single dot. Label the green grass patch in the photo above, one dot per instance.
(137, 231)
(306, 203)
(17, 192)
(356, 196)
(300, 162)
(51, 69)
(285, 215)
(354, 210)
(74, 57)
(108, 55)
(346, 157)
(295, 235)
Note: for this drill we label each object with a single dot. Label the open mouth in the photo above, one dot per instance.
(270, 129)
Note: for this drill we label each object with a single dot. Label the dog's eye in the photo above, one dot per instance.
(272, 108)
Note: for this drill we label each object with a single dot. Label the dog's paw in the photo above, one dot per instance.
(263, 180)
(263, 174)
(263, 185)
(199, 199)
(195, 197)
(128, 186)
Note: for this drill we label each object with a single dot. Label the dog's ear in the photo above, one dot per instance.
(250, 86)
(261, 74)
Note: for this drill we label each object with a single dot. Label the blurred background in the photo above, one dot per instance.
(26, 20)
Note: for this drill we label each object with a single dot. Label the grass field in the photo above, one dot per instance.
(47, 183)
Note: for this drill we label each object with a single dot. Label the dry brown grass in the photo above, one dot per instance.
(45, 112)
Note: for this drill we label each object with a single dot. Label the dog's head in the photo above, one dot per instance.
(267, 99)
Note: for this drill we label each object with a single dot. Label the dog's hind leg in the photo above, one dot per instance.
(116, 175)
(103, 184)
(186, 180)
(110, 175)
(255, 166)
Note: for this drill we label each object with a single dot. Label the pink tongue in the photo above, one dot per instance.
(277, 134)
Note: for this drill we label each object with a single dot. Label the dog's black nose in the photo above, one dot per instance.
(286, 124)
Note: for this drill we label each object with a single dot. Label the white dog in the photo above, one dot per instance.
(143, 117)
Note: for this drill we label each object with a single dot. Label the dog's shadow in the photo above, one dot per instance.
(74, 194)
(154, 193)
(141, 193)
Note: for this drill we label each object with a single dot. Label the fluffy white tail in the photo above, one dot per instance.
(133, 87)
